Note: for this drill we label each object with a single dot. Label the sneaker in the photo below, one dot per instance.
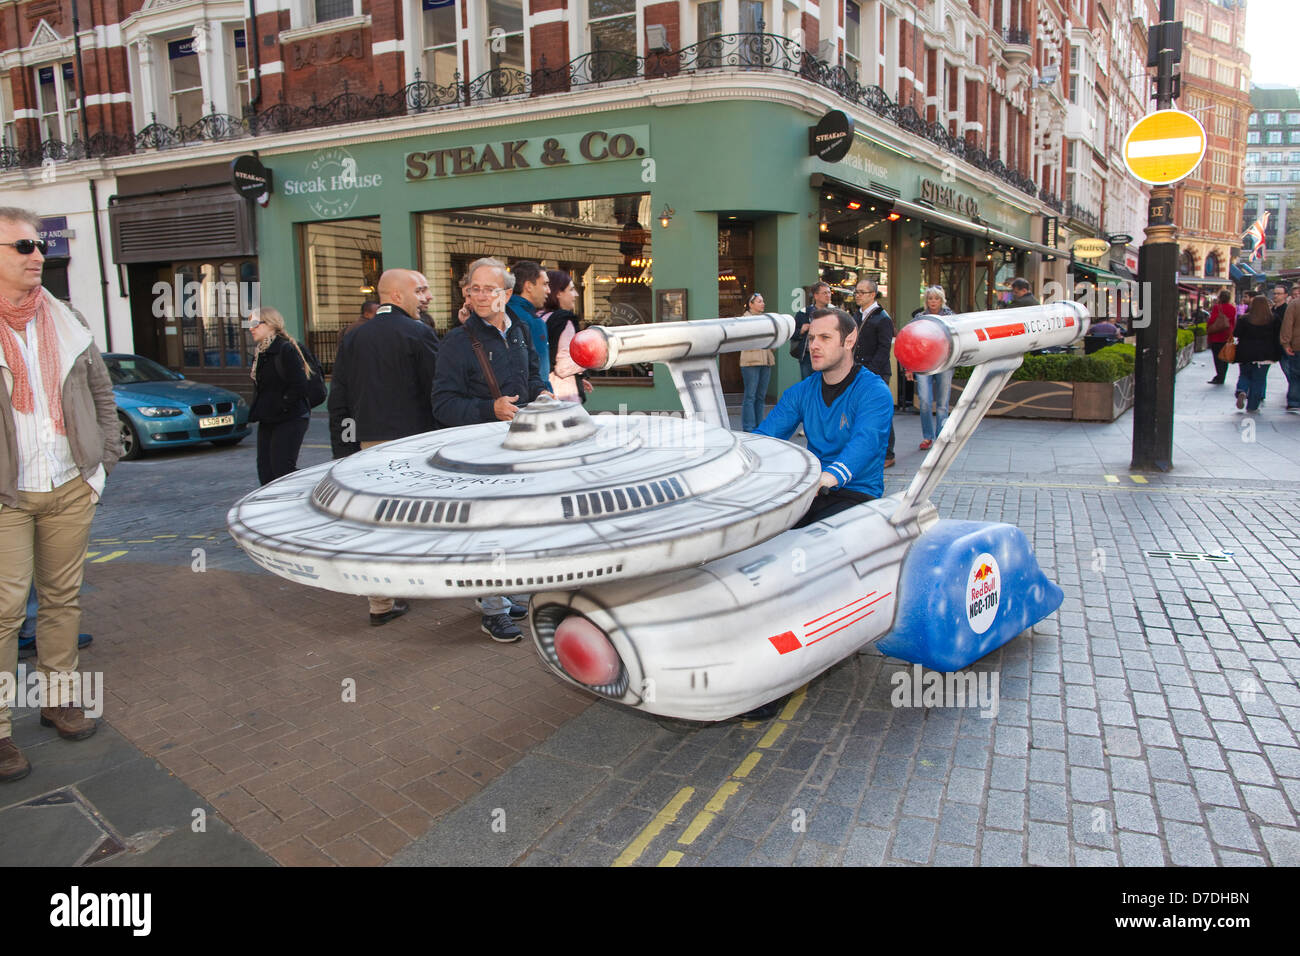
(1241, 399)
(517, 612)
(500, 628)
(925, 445)
(27, 645)
(889, 462)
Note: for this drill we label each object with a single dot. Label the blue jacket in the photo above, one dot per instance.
(521, 310)
(850, 437)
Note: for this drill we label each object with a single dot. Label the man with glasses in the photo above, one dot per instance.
(383, 375)
(59, 439)
(488, 368)
(875, 335)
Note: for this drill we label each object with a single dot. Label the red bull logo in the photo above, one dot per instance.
(983, 593)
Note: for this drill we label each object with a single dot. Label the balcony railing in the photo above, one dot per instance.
(1018, 37)
(763, 52)
(1082, 214)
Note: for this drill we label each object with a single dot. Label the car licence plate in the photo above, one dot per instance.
(217, 421)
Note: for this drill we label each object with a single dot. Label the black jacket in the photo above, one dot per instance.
(875, 333)
(1023, 301)
(382, 376)
(1258, 343)
(280, 386)
(461, 394)
(799, 341)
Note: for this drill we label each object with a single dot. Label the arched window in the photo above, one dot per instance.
(1186, 264)
(1212, 265)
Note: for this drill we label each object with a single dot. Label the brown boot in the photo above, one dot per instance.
(71, 722)
(13, 765)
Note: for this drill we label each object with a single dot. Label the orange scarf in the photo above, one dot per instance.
(16, 318)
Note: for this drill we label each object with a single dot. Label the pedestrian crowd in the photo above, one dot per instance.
(1262, 331)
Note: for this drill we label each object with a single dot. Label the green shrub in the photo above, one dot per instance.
(1104, 365)
(1199, 329)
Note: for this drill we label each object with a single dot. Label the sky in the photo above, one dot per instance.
(1271, 28)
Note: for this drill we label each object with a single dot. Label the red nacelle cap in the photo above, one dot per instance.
(589, 348)
(922, 346)
(585, 652)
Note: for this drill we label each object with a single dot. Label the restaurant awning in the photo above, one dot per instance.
(1203, 281)
(937, 217)
(1096, 274)
(1244, 270)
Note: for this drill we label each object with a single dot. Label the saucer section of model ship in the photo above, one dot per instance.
(459, 512)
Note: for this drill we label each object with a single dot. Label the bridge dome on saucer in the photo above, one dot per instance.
(555, 498)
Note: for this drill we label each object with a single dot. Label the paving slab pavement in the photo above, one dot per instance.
(1152, 720)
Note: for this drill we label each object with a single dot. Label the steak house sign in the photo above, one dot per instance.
(948, 197)
(566, 149)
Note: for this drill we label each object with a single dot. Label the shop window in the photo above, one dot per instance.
(214, 299)
(604, 246)
(708, 24)
(505, 37)
(185, 81)
(56, 98)
(237, 58)
(852, 38)
(611, 34)
(333, 10)
(441, 60)
(343, 262)
(6, 112)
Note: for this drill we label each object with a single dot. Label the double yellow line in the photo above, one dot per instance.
(716, 803)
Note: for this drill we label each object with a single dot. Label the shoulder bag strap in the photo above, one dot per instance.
(484, 364)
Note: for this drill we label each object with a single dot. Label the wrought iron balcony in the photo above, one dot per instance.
(763, 52)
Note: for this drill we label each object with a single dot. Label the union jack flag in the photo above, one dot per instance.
(1255, 237)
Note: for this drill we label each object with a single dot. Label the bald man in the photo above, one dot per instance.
(383, 379)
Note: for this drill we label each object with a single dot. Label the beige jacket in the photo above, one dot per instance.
(757, 357)
(89, 412)
(1291, 326)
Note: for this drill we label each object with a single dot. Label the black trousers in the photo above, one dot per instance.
(1220, 367)
(830, 503)
(277, 447)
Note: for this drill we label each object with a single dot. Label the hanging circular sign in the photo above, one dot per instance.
(832, 137)
(1089, 248)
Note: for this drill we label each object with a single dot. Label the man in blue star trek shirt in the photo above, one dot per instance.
(846, 413)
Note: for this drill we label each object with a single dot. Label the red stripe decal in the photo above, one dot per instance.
(838, 609)
(1006, 331)
(785, 643)
(840, 628)
(852, 622)
(981, 335)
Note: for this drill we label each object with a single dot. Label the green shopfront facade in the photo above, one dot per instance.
(676, 203)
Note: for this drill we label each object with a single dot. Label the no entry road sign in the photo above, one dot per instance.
(1164, 146)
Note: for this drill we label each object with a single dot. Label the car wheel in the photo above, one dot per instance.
(130, 440)
(228, 441)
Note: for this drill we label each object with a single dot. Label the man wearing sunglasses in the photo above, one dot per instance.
(58, 441)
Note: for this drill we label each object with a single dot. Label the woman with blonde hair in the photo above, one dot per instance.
(933, 391)
(755, 373)
(280, 405)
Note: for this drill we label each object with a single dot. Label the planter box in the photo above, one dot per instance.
(1066, 401)
(1184, 358)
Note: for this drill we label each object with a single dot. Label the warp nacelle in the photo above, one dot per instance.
(936, 343)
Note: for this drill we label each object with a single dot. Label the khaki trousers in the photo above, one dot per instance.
(378, 605)
(45, 535)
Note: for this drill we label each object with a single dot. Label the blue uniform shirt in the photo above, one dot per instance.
(849, 437)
